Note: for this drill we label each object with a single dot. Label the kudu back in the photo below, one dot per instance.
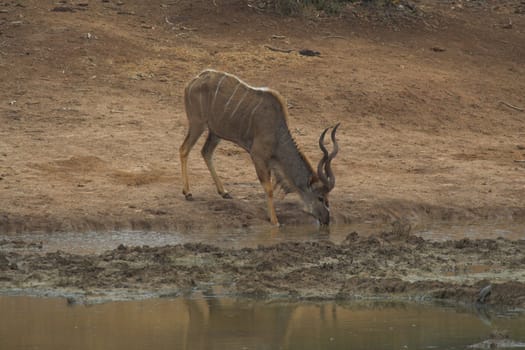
(256, 120)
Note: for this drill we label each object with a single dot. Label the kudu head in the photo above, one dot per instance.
(316, 198)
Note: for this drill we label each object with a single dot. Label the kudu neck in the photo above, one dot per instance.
(294, 166)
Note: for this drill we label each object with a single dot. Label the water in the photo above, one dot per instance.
(96, 242)
(222, 323)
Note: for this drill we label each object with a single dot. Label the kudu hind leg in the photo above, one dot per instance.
(207, 153)
(194, 132)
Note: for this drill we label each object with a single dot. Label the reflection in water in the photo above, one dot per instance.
(213, 323)
(96, 242)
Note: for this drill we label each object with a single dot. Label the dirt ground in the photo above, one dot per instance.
(92, 112)
(430, 100)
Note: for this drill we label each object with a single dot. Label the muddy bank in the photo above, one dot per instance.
(242, 213)
(387, 265)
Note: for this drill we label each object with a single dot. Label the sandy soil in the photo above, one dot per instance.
(433, 128)
(92, 115)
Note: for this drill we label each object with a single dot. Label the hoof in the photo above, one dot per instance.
(226, 195)
(276, 223)
(188, 196)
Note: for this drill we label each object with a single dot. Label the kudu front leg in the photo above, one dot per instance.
(207, 153)
(271, 208)
(264, 175)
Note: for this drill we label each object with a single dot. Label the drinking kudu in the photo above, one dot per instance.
(256, 120)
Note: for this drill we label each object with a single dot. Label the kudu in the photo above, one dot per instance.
(256, 120)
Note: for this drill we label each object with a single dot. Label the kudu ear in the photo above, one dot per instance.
(324, 169)
(314, 182)
(313, 179)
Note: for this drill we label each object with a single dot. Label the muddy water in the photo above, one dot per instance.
(96, 242)
(221, 323)
(225, 323)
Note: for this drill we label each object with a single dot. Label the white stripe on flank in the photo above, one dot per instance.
(189, 90)
(239, 104)
(217, 91)
(229, 100)
(258, 104)
(250, 118)
(200, 105)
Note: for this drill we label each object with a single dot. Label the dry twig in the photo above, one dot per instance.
(278, 49)
(334, 37)
(512, 106)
